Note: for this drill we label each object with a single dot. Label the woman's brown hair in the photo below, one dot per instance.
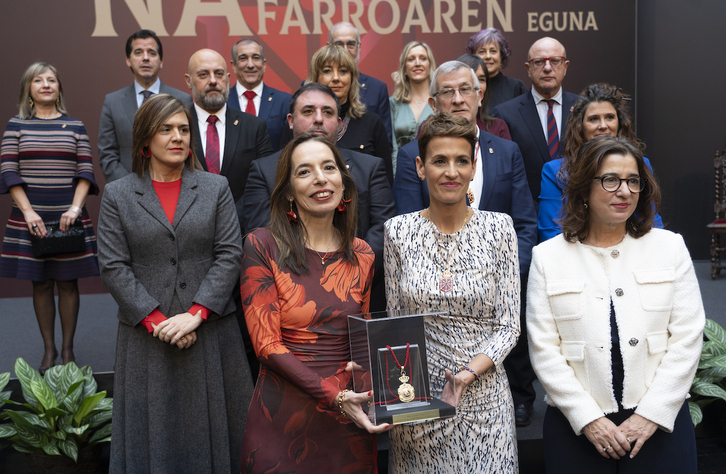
(290, 236)
(575, 221)
(149, 119)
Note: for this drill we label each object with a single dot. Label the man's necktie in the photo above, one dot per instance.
(212, 156)
(250, 109)
(553, 138)
(146, 95)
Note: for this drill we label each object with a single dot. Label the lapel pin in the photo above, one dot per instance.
(491, 151)
(572, 108)
(363, 85)
(64, 126)
(347, 166)
(269, 99)
(236, 122)
(361, 147)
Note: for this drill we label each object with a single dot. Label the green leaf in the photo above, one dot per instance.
(715, 333)
(101, 433)
(73, 400)
(4, 379)
(90, 386)
(7, 430)
(26, 405)
(51, 448)
(69, 448)
(696, 413)
(717, 361)
(105, 404)
(26, 375)
(76, 431)
(711, 375)
(24, 449)
(53, 377)
(20, 418)
(44, 394)
(100, 418)
(89, 403)
(3, 396)
(708, 390)
(69, 376)
(32, 436)
(60, 434)
(53, 413)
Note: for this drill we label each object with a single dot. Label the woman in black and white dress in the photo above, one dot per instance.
(450, 257)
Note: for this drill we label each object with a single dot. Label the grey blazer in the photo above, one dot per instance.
(115, 137)
(146, 262)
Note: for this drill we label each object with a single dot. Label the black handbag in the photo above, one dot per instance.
(57, 242)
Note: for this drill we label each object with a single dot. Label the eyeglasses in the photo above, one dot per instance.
(555, 61)
(448, 93)
(352, 44)
(613, 183)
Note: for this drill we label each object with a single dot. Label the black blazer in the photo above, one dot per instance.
(375, 204)
(246, 140)
(524, 124)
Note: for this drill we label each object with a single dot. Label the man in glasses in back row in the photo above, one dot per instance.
(537, 120)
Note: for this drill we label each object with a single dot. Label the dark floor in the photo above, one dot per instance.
(95, 344)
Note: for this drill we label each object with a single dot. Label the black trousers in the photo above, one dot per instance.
(517, 364)
(663, 453)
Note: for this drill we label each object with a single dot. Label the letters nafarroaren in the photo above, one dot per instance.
(381, 16)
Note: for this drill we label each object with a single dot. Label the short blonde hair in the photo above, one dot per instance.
(25, 110)
(401, 84)
(334, 54)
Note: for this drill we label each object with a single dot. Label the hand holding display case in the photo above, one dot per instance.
(389, 349)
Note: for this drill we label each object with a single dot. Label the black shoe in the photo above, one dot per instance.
(523, 414)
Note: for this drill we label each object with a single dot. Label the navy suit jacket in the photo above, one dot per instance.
(274, 107)
(374, 93)
(245, 140)
(504, 190)
(375, 204)
(524, 124)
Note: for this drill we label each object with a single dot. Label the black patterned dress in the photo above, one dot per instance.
(484, 319)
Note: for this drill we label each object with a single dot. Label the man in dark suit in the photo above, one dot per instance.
(227, 140)
(536, 120)
(499, 184)
(145, 58)
(373, 92)
(315, 109)
(252, 95)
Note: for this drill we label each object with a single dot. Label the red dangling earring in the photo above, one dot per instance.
(342, 204)
(190, 152)
(147, 150)
(291, 216)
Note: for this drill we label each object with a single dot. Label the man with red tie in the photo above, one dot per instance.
(227, 141)
(252, 95)
(537, 120)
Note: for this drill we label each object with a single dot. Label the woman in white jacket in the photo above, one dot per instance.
(615, 323)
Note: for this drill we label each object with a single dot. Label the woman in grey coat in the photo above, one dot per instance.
(170, 251)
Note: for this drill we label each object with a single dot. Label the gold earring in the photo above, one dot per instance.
(57, 102)
(30, 101)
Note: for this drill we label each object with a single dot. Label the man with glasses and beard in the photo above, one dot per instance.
(227, 140)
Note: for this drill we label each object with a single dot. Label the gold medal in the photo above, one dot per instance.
(405, 390)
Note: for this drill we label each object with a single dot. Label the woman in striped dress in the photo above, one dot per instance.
(45, 165)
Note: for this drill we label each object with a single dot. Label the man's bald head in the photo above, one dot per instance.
(546, 78)
(208, 80)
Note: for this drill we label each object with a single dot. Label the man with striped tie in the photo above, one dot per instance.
(536, 120)
(145, 58)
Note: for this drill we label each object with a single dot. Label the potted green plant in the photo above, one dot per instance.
(709, 384)
(63, 416)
